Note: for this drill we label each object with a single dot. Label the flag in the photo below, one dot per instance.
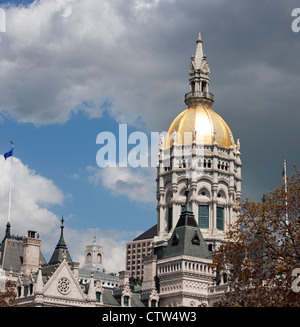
(283, 173)
(9, 153)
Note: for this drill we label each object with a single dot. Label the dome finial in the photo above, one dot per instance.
(199, 38)
(199, 79)
(199, 52)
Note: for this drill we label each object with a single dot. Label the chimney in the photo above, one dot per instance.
(124, 278)
(31, 253)
(149, 272)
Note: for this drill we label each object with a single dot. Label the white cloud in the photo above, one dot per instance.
(32, 197)
(32, 194)
(138, 184)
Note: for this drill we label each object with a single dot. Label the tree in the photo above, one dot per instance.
(7, 298)
(263, 250)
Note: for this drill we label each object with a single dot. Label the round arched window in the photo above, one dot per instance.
(88, 258)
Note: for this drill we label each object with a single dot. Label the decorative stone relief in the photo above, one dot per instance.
(63, 286)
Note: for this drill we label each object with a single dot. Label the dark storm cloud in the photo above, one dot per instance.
(255, 77)
(137, 54)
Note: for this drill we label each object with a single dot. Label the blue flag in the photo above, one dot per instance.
(9, 153)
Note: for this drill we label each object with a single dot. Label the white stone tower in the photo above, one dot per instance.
(94, 256)
(198, 150)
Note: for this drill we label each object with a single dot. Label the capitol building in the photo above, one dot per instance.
(198, 184)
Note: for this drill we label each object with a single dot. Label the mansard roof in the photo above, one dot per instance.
(150, 233)
(11, 253)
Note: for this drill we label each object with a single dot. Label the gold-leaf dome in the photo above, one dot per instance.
(207, 124)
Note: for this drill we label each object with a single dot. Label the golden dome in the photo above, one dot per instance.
(205, 122)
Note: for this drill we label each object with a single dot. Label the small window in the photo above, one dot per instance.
(175, 239)
(30, 289)
(98, 297)
(196, 239)
(220, 218)
(170, 217)
(126, 301)
(203, 216)
(153, 303)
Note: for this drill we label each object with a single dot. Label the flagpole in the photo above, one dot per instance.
(10, 184)
(285, 188)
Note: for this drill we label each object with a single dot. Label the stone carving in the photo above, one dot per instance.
(63, 286)
(215, 137)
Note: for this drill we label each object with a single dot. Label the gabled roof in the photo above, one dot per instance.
(63, 273)
(187, 239)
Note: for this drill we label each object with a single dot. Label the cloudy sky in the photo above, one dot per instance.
(71, 69)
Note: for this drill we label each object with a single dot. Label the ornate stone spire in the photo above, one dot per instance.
(199, 79)
(61, 248)
(199, 52)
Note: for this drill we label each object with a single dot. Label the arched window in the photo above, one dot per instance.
(99, 259)
(88, 258)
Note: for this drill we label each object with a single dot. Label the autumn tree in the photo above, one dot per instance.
(263, 250)
(7, 297)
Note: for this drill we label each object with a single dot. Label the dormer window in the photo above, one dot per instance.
(196, 239)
